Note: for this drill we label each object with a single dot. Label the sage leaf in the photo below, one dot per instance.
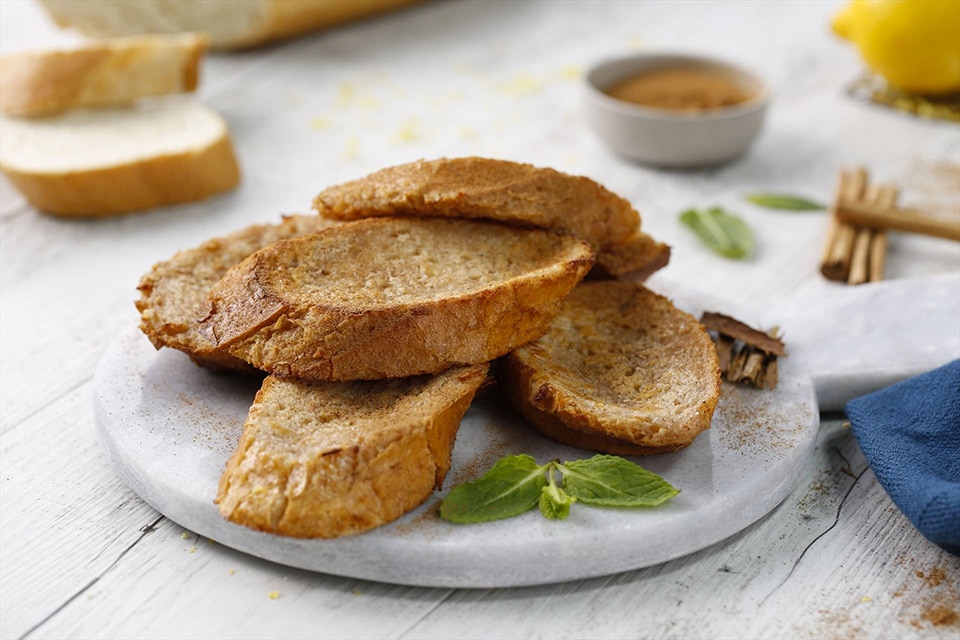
(611, 481)
(512, 486)
(726, 234)
(781, 201)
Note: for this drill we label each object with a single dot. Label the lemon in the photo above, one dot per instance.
(913, 44)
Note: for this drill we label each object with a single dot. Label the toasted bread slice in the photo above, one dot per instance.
(620, 371)
(327, 459)
(98, 74)
(393, 297)
(173, 295)
(484, 188)
(103, 162)
(637, 259)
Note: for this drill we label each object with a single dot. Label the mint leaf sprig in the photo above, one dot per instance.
(783, 201)
(724, 232)
(516, 484)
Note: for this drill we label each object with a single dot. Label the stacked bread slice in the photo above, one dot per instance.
(94, 130)
(378, 319)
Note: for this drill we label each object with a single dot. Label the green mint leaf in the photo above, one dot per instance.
(726, 234)
(780, 201)
(511, 486)
(554, 501)
(612, 481)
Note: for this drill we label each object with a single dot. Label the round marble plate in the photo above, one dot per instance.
(169, 427)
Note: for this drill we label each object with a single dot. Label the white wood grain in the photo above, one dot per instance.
(835, 560)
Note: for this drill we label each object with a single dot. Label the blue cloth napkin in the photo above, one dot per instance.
(910, 435)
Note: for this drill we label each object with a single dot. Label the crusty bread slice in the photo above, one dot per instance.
(102, 162)
(98, 74)
(621, 371)
(230, 25)
(327, 459)
(637, 259)
(393, 297)
(173, 295)
(485, 188)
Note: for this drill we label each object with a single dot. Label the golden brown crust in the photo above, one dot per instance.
(621, 371)
(173, 294)
(485, 188)
(104, 73)
(323, 460)
(395, 297)
(292, 19)
(133, 186)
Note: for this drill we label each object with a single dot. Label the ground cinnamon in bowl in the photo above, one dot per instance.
(674, 110)
(681, 88)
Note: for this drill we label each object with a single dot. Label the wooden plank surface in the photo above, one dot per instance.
(82, 556)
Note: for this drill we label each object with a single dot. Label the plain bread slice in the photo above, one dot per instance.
(99, 74)
(100, 162)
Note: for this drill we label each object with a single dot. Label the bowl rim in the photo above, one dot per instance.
(754, 103)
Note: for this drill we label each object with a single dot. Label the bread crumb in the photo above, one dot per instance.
(230, 572)
(866, 599)
(352, 150)
(521, 85)
(273, 595)
(193, 549)
(408, 132)
(185, 535)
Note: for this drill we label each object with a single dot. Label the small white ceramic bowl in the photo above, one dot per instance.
(666, 137)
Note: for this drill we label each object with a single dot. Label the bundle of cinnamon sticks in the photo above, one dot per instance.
(856, 246)
(746, 355)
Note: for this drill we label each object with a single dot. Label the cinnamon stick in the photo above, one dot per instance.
(850, 211)
(727, 326)
(836, 262)
(887, 197)
(724, 352)
(860, 256)
(745, 354)
(878, 255)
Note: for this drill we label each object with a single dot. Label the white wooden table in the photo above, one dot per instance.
(83, 556)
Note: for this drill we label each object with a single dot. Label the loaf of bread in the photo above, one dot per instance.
(485, 188)
(99, 74)
(229, 25)
(173, 295)
(393, 297)
(621, 371)
(103, 162)
(327, 459)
